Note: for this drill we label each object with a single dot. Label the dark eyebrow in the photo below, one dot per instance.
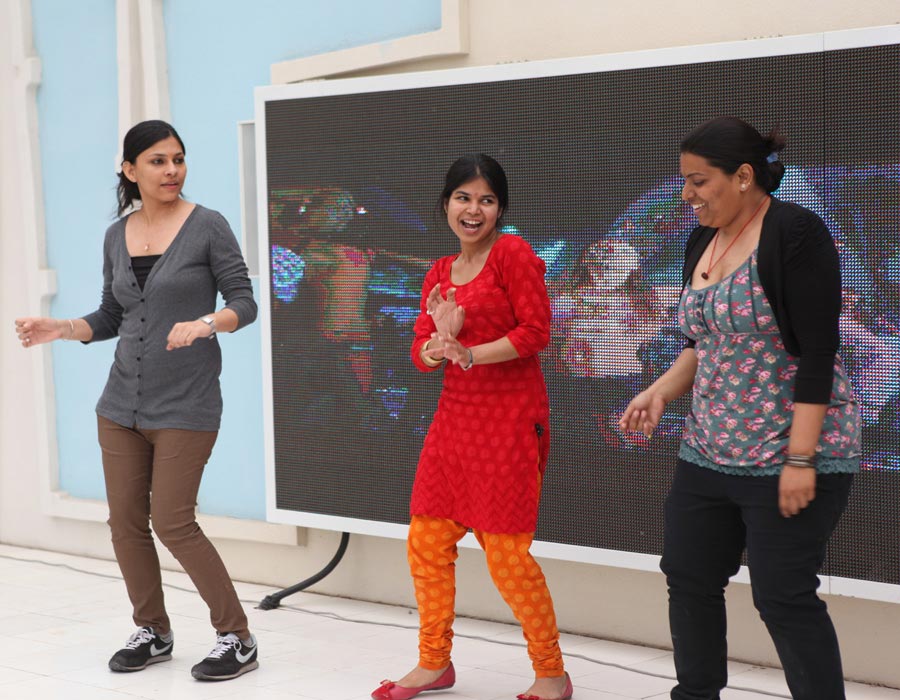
(468, 194)
(157, 155)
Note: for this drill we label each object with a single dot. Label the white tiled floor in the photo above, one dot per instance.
(63, 616)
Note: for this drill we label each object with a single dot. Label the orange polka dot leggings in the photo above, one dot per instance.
(432, 552)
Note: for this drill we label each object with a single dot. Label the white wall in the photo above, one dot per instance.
(601, 601)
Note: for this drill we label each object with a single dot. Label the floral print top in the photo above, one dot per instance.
(740, 417)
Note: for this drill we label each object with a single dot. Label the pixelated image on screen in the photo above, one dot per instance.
(592, 159)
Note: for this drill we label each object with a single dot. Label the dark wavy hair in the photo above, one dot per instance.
(139, 138)
(468, 168)
(728, 142)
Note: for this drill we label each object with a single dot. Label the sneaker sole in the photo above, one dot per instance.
(119, 668)
(253, 665)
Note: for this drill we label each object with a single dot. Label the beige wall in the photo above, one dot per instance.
(512, 31)
(601, 601)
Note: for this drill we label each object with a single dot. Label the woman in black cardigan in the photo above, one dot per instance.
(771, 441)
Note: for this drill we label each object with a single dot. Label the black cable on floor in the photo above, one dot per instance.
(270, 602)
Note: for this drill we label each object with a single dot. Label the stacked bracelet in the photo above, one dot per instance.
(805, 461)
(71, 329)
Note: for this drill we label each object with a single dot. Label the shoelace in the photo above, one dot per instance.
(223, 644)
(142, 636)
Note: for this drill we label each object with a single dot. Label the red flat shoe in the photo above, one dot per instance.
(567, 693)
(388, 690)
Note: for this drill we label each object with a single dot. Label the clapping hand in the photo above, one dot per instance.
(454, 351)
(447, 316)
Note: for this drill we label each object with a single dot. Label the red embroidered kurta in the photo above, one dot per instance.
(490, 435)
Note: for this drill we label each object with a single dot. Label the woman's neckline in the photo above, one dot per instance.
(194, 208)
(773, 202)
(746, 261)
(478, 274)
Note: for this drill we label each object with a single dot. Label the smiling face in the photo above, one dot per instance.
(159, 171)
(715, 196)
(472, 212)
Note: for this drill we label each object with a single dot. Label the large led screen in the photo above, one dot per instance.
(351, 185)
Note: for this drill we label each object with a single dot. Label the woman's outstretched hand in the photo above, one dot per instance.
(643, 413)
(39, 330)
(447, 316)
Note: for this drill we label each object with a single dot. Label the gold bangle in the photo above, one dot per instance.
(431, 362)
(71, 329)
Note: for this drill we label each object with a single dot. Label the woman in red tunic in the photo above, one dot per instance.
(483, 459)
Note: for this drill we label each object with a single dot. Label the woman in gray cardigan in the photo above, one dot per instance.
(158, 416)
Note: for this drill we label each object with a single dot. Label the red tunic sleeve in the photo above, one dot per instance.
(424, 325)
(522, 273)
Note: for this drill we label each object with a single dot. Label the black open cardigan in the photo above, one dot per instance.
(801, 276)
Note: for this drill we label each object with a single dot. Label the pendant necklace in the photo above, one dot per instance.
(147, 244)
(711, 265)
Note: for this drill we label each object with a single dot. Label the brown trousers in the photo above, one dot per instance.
(153, 476)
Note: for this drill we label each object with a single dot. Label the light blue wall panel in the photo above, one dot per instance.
(77, 118)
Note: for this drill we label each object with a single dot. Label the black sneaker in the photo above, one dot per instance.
(143, 648)
(229, 659)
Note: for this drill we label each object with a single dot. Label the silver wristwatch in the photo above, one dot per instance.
(211, 322)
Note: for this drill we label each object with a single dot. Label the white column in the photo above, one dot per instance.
(28, 450)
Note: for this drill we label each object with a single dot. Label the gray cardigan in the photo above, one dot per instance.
(148, 386)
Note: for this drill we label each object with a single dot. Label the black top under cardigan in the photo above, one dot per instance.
(148, 386)
(801, 276)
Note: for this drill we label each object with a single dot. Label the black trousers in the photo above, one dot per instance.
(709, 519)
